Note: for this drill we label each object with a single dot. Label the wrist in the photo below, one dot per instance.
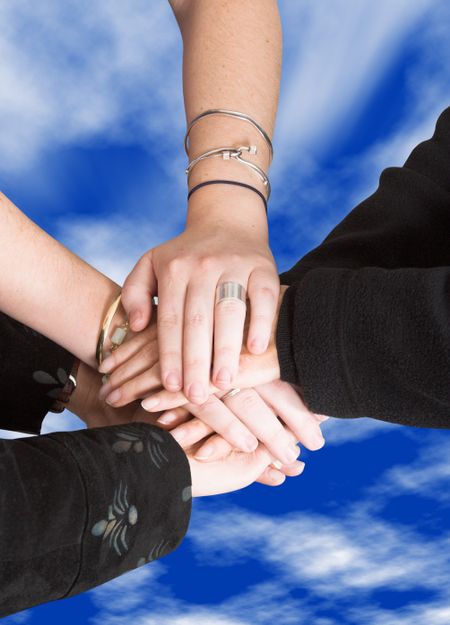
(84, 400)
(227, 206)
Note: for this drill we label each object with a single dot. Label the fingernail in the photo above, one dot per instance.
(276, 476)
(277, 464)
(250, 443)
(178, 435)
(114, 396)
(292, 453)
(104, 391)
(105, 378)
(224, 376)
(318, 439)
(203, 454)
(300, 467)
(149, 403)
(196, 391)
(167, 418)
(173, 380)
(107, 365)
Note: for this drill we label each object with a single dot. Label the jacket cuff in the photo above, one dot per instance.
(33, 372)
(309, 340)
(80, 508)
(138, 490)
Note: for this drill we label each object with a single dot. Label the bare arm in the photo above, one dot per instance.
(46, 286)
(231, 59)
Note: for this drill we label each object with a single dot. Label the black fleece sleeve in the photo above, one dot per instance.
(364, 327)
(80, 508)
(33, 370)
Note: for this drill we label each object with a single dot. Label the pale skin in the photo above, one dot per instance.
(231, 471)
(226, 238)
(231, 60)
(52, 290)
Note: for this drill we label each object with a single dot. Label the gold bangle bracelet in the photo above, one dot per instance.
(105, 327)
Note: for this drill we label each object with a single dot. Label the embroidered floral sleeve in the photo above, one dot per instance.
(37, 381)
(80, 508)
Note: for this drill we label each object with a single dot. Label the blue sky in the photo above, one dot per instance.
(91, 130)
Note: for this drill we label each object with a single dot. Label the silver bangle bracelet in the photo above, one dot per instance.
(237, 114)
(235, 153)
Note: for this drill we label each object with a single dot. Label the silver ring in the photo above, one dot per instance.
(234, 391)
(230, 290)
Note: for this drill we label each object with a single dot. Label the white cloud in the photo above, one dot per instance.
(336, 53)
(70, 72)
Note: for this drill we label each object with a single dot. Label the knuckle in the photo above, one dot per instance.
(235, 259)
(194, 363)
(225, 353)
(260, 317)
(207, 406)
(248, 399)
(206, 262)
(168, 320)
(196, 319)
(169, 355)
(174, 267)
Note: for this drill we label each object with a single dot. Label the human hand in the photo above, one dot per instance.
(253, 370)
(234, 470)
(260, 409)
(243, 419)
(134, 369)
(251, 418)
(85, 404)
(185, 272)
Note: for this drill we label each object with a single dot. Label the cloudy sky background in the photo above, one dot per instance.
(91, 130)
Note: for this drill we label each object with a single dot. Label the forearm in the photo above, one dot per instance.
(47, 287)
(231, 60)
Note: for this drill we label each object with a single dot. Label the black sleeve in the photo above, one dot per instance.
(80, 508)
(363, 329)
(29, 388)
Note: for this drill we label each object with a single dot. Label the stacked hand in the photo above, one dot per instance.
(247, 421)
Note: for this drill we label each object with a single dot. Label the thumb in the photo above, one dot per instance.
(137, 290)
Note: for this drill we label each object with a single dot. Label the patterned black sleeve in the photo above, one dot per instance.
(80, 508)
(29, 388)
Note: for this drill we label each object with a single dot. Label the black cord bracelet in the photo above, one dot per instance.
(241, 184)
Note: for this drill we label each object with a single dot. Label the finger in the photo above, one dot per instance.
(137, 291)
(229, 318)
(166, 400)
(261, 420)
(214, 448)
(126, 350)
(283, 398)
(141, 362)
(190, 433)
(320, 417)
(263, 293)
(172, 418)
(222, 420)
(271, 477)
(197, 338)
(171, 302)
(136, 388)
